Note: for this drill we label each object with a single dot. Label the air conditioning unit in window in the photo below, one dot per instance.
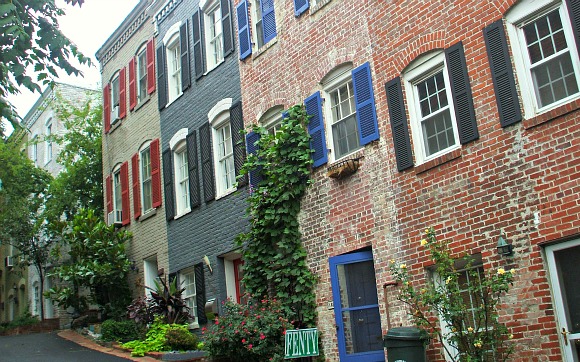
(114, 217)
(9, 261)
(115, 114)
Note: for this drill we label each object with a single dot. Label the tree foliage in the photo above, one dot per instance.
(274, 258)
(30, 40)
(96, 259)
(80, 183)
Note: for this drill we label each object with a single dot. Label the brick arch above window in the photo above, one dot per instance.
(408, 55)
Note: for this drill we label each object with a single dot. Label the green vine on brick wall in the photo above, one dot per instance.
(274, 259)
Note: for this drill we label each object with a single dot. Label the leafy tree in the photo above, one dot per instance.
(30, 39)
(80, 183)
(96, 260)
(22, 197)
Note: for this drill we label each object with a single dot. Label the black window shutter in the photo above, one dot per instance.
(574, 10)
(227, 27)
(461, 93)
(168, 181)
(206, 162)
(252, 147)
(185, 70)
(198, 50)
(237, 124)
(502, 74)
(161, 78)
(200, 293)
(399, 126)
(194, 196)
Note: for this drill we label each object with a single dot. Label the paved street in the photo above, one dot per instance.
(47, 347)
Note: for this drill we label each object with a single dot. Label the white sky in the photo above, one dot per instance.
(88, 27)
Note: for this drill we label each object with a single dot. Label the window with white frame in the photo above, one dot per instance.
(258, 24)
(150, 271)
(271, 120)
(430, 105)
(115, 97)
(213, 34)
(117, 194)
(225, 174)
(545, 54)
(48, 142)
(181, 178)
(34, 149)
(340, 112)
(174, 68)
(187, 281)
(142, 74)
(145, 170)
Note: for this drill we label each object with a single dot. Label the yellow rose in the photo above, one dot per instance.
(426, 231)
(512, 271)
(423, 242)
(501, 271)
(403, 266)
(470, 329)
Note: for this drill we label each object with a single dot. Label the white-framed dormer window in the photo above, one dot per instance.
(213, 34)
(48, 143)
(431, 108)
(141, 70)
(271, 120)
(145, 177)
(225, 175)
(340, 112)
(178, 145)
(117, 194)
(545, 54)
(187, 281)
(174, 88)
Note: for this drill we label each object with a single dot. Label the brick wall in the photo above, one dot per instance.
(503, 180)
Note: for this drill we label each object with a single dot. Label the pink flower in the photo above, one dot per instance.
(243, 340)
(250, 346)
(217, 321)
(262, 336)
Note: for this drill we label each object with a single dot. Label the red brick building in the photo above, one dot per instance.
(462, 116)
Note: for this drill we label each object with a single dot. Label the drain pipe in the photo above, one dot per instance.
(386, 296)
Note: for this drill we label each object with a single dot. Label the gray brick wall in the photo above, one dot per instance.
(211, 228)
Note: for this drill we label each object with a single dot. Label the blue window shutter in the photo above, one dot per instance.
(300, 6)
(399, 127)
(251, 147)
(504, 83)
(268, 20)
(316, 129)
(243, 30)
(461, 93)
(366, 115)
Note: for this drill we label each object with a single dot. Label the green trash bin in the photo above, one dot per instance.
(405, 344)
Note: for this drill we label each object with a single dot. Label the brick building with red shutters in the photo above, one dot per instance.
(462, 116)
(132, 169)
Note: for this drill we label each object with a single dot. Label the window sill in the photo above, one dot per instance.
(141, 103)
(438, 161)
(318, 6)
(115, 125)
(552, 114)
(225, 193)
(148, 214)
(264, 48)
(213, 68)
(182, 213)
(173, 100)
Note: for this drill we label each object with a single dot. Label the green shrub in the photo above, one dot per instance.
(121, 331)
(179, 338)
(156, 338)
(252, 332)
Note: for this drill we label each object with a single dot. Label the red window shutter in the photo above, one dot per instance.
(126, 211)
(107, 107)
(132, 85)
(155, 173)
(123, 93)
(109, 194)
(136, 187)
(150, 66)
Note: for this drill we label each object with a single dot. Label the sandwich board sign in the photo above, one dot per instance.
(301, 343)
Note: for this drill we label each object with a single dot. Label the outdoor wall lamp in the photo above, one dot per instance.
(207, 262)
(503, 248)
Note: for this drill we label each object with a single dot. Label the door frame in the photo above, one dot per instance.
(357, 257)
(561, 319)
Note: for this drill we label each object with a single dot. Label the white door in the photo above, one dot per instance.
(564, 271)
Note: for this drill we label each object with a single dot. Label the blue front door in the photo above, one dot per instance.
(356, 307)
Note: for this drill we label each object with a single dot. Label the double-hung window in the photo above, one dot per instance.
(258, 23)
(545, 54)
(34, 150)
(224, 156)
(271, 120)
(181, 179)
(115, 97)
(117, 196)
(48, 142)
(433, 120)
(142, 74)
(343, 120)
(213, 36)
(187, 281)
(174, 68)
(146, 194)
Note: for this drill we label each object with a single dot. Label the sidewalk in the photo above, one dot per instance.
(88, 343)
